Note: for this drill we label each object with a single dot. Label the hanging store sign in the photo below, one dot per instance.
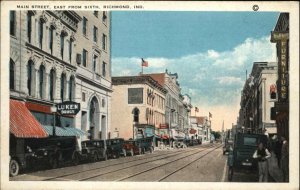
(281, 38)
(68, 108)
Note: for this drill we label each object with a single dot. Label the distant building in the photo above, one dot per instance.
(203, 127)
(138, 107)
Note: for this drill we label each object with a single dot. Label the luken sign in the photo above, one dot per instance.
(68, 108)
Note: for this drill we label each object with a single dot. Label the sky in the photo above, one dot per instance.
(210, 51)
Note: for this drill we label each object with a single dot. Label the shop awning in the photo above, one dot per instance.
(64, 131)
(22, 123)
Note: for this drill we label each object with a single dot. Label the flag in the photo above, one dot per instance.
(210, 115)
(144, 63)
(196, 109)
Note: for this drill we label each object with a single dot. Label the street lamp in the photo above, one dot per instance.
(53, 110)
(171, 111)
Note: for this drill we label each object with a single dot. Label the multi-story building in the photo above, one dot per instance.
(138, 107)
(45, 65)
(93, 75)
(280, 36)
(175, 108)
(202, 126)
(258, 97)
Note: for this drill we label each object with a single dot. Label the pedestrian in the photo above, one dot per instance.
(285, 159)
(262, 154)
(277, 150)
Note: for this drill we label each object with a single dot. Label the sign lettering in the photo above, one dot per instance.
(68, 108)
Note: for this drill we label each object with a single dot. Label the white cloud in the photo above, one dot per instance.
(228, 80)
(209, 77)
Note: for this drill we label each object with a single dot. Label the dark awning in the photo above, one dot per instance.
(22, 123)
(64, 131)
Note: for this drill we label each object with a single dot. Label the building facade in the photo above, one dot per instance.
(138, 107)
(44, 61)
(258, 98)
(280, 36)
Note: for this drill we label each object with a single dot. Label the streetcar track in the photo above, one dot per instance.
(147, 170)
(106, 166)
(186, 165)
(94, 176)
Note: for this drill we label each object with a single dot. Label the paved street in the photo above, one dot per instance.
(202, 163)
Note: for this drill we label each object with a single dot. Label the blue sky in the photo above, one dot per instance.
(210, 51)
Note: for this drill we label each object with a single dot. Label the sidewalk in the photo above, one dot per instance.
(274, 171)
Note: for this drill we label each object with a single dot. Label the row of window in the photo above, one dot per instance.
(95, 33)
(63, 35)
(95, 62)
(42, 82)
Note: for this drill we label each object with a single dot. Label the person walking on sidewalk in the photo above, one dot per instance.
(285, 159)
(277, 150)
(262, 154)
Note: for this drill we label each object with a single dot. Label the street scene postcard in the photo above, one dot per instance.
(149, 95)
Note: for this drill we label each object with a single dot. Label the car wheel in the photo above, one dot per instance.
(144, 150)
(95, 157)
(151, 150)
(230, 173)
(14, 168)
(131, 152)
(75, 159)
(54, 162)
(124, 152)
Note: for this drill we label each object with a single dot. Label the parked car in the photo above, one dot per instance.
(93, 150)
(32, 153)
(228, 143)
(146, 144)
(240, 158)
(115, 148)
(132, 147)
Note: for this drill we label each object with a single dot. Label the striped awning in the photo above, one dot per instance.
(22, 123)
(64, 131)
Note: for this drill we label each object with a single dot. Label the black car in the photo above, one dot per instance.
(240, 158)
(115, 148)
(32, 153)
(145, 144)
(94, 150)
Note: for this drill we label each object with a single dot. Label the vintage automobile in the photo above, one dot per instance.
(139, 146)
(93, 150)
(115, 148)
(228, 143)
(146, 144)
(240, 157)
(31, 153)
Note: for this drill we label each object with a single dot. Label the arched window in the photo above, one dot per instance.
(30, 67)
(41, 33)
(136, 113)
(52, 84)
(51, 38)
(11, 75)
(62, 86)
(62, 43)
(93, 110)
(41, 80)
(71, 88)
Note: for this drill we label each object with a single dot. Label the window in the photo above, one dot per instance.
(250, 141)
(96, 13)
(71, 88)
(41, 33)
(84, 57)
(136, 113)
(104, 69)
(62, 45)
(84, 26)
(83, 96)
(103, 102)
(95, 62)
(62, 86)
(12, 18)
(104, 42)
(52, 85)
(104, 17)
(11, 75)
(29, 26)
(51, 33)
(29, 77)
(41, 80)
(70, 50)
(95, 34)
